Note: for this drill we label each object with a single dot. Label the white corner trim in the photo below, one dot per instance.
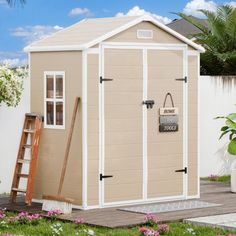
(198, 125)
(84, 131)
(100, 184)
(145, 124)
(185, 122)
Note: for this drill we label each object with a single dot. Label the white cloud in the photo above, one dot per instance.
(233, 4)
(137, 11)
(14, 59)
(80, 11)
(15, 62)
(33, 33)
(192, 8)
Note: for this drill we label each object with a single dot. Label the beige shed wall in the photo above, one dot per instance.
(53, 141)
(193, 125)
(93, 129)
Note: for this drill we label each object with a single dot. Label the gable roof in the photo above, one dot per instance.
(185, 28)
(89, 32)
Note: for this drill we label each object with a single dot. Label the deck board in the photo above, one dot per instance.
(112, 217)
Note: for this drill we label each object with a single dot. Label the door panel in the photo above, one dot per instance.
(123, 154)
(164, 150)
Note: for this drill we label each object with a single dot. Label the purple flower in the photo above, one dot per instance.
(79, 221)
(163, 228)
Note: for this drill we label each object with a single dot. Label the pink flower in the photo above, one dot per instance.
(148, 232)
(163, 229)
(54, 213)
(79, 221)
(213, 177)
(2, 215)
(151, 219)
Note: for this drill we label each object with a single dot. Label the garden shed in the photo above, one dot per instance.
(128, 146)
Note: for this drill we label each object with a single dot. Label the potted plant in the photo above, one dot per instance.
(229, 129)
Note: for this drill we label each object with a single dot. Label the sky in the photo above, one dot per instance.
(22, 25)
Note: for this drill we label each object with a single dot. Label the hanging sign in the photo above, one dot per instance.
(168, 117)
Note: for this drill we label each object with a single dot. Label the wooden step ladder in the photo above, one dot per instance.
(29, 140)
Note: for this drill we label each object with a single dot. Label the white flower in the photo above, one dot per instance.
(11, 85)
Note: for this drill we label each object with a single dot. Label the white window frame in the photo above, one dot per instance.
(53, 73)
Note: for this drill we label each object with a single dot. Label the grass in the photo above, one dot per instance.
(215, 178)
(43, 228)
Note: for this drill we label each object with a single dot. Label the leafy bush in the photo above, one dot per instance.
(230, 129)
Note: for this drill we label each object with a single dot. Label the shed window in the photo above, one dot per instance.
(54, 100)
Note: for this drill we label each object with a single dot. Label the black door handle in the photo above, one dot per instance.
(185, 170)
(105, 176)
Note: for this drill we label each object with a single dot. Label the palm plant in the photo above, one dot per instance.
(14, 2)
(218, 38)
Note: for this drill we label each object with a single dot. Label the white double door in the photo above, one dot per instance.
(138, 162)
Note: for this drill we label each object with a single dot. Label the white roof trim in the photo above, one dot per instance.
(134, 22)
(54, 48)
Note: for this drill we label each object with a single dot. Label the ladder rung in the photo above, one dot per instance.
(27, 146)
(30, 131)
(24, 161)
(31, 115)
(23, 175)
(19, 190)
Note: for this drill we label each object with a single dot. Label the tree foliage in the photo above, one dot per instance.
(219, 40)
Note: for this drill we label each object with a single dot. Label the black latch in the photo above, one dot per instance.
(185, 79)
(149, 103)
(185, 170)
(105, 176)
(104, 79)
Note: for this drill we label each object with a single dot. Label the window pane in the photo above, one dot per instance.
(50, 86)
(59, 86)
(59, 113)
(50, 113)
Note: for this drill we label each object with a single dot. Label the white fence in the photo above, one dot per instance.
(216, 98)
(11, 120)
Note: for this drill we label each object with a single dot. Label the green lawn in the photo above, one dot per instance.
(43, 227)
(222, 179)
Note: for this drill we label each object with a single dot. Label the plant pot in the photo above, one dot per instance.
(233, 180)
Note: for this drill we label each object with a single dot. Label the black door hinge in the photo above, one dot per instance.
(105, 176)
(185, 170)
(185, 79)
(104, 79)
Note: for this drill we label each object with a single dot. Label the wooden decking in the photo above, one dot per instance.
(112, 217)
